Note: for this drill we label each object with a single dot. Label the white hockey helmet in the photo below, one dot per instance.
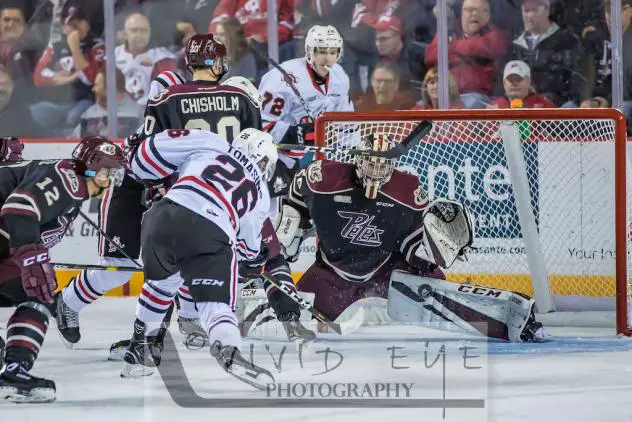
(375, 171)
(246, 86)
(260, 147)
(320, 36)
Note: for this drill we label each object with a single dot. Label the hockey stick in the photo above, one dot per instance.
(94, 225)
(94, 267)
(302, 303)
(286, 77)
(402, 148)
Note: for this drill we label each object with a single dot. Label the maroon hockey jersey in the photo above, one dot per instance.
(358, 235)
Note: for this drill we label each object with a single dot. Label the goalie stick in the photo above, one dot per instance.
(402, 148)
(302, 303)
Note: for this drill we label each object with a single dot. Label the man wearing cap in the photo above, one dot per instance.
(518, 90)
(390, 44)
(554, 55)
(66, 72)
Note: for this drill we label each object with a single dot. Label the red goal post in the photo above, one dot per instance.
(548, 188)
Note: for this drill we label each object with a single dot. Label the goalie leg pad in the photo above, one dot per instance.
(449, 306)
(289, 232)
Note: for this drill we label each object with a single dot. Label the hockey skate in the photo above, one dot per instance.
(533, 331)
(142, 355)
(296, 331)
(67, 322)
(231, 360)
(18, 386)
(195, 336)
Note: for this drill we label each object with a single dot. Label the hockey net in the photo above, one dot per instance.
(547, 189)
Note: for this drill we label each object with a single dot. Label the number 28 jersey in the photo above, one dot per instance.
(222, 109)
(216, 181)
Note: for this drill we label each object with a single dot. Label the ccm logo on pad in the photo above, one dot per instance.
(43, 257)
(206, 282)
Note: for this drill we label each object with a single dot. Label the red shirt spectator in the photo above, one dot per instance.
(474, 53)
(253, 16)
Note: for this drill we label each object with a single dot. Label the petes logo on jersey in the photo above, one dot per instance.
(419, 196)
(315, 172)
(359, 229)
(279, 184)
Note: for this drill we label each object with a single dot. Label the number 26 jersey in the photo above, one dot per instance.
(216, 181)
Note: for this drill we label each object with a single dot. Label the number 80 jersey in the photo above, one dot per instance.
(216, 181)
(221, 109)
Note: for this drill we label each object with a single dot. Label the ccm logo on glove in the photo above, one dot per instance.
(43, 257)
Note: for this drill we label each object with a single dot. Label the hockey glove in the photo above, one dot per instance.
(305, 131)
(252, 269)
(38, 276)
(130, 145)
(10, 149)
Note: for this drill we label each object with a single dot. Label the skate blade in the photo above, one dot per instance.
(37, 395)
(68, 344)
(116, 354)
(260, 380)
(195, 341)
(135, 370)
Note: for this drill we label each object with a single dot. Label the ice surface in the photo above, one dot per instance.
(570, 378)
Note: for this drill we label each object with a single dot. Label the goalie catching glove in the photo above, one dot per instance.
(448, 232)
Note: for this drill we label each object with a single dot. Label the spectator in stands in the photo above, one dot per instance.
(15, 117)
(253, 16)
(16, 55)
(139, 62)
(360, 55)
(242, 61)
(517, 85)
(578, 16)
(599, 50)
(473, 53)
(66, 72)
(94, 121)
(391, 47)
(554, 55)
(384, 94)
(430, 92)
(308, 13)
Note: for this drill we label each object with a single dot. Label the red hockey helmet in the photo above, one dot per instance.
(95, 153)
(204, 50)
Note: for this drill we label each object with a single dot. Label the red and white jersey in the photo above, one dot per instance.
(216, 181)
(163, 81)
(139, 70)
(282, 108)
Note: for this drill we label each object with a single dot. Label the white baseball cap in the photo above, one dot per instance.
(517, 67)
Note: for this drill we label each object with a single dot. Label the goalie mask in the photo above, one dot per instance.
(320, 38)
(260, 147)
(374, 172)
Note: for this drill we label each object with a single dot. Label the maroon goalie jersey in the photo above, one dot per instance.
(358, 235)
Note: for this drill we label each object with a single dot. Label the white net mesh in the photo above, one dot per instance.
(570, 166)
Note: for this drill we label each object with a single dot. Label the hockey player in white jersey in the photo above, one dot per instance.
(207, 224)
(321, 82)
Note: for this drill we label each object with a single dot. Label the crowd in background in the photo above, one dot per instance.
(548, 53)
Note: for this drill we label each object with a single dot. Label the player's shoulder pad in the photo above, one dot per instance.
(406, 190)
(72, 182)
(325, 176)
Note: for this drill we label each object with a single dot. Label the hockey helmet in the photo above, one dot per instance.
(203, 51)
(320, 36)
(94, 153)
(260, 147)
(374, 171)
